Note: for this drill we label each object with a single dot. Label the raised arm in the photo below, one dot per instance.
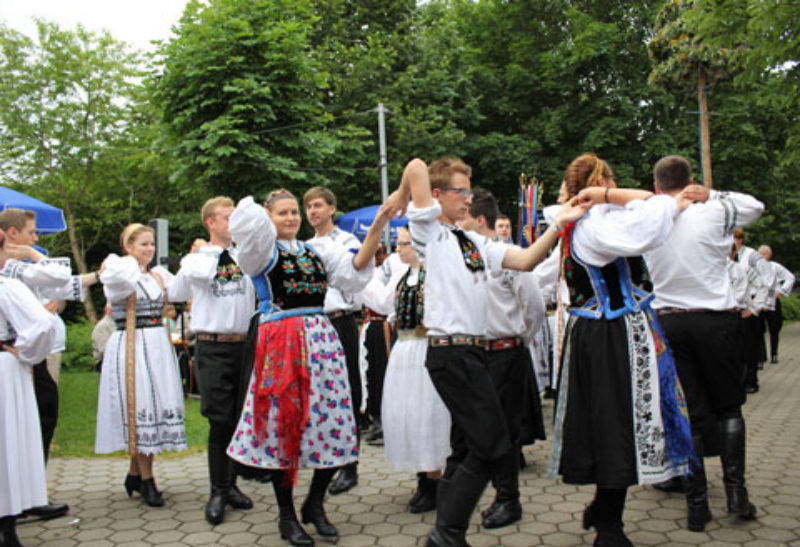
(255, 234)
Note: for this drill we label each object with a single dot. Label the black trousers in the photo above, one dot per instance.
(750, 341)
(479, 435)
(347, 329)
(47, 400)
(218, 380)
(377, 360)
(774, 321)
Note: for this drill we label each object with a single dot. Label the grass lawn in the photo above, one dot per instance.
(77, 416)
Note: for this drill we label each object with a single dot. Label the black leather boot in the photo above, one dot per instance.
(458, 497)
(312, 510)
(427, 499)
(236, 498)
(8, 532)
(290, 529)
(133, 483)
(219, 475)
(732, 437)
(421, 478)
(506, 508)
(698, 513)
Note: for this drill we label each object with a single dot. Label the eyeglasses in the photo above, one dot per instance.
(462, 192)
(403, 243)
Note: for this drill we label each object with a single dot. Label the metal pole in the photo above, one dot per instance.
(384, 175)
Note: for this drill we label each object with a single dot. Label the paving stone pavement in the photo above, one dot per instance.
(374, 513)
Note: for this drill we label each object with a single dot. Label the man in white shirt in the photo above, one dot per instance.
(51, 281)
(696, 306)
(342, 308)
(515, 311)
(455, 316)
(223, 302)
(784, 281)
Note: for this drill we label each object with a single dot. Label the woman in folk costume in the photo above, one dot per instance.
(27, 332)
(298, 408)
(621, 417)
(416, 424)
(140, 403)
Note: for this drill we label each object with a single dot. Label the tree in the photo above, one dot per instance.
(241, 92)
(65, 102)
(681, 60)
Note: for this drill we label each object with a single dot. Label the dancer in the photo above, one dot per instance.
(27, 332)
(416, 423)
(455, 316)
(140, 402)
(784, 280)
(298, 411)
(223, 301)
(620, 416)
(694, 299)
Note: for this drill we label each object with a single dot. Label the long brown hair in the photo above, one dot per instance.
(585, 171)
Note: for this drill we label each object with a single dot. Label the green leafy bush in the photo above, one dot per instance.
(791, 307)
(78, 355)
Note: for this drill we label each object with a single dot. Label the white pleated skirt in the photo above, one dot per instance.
(23, 483)
(416, 423)
(160, 417)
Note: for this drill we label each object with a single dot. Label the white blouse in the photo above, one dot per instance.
(23, 318)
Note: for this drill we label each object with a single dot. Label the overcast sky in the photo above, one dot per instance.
(133, 21)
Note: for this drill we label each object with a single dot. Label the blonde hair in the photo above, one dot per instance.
(442, 170)
(131, 232)
(210, 206)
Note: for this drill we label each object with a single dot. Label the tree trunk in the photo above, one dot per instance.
(80, 260)
(705, 137)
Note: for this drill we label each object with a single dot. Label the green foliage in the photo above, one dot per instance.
(78, 355)
(790, 306)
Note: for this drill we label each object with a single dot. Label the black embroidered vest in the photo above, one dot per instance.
(298, 281)
(580, 284)
(409, 302)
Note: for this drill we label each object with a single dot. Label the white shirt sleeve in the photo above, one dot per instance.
(35, 327)
(119, 277)
(526, 288)
(546, 273)
(254, 234)
(49, 279)
(740, 209)
(609, 231)
(786, 278)
(423, 224)
(197, 268)
(338, 261)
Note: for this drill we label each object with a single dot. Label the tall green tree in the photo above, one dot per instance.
(65, 103)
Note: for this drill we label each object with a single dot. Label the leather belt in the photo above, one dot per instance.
(370, 315)
(219, 337)
(670, 311)
(499, 344)
(457, 340)
(340, 313)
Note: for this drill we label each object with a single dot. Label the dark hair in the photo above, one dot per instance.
(672, 173)
(442, 170)
(585, 171)
(502, 216)
(484, 204)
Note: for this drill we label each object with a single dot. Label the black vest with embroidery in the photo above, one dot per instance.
(409, 302)
(298, 281)
(579, 282)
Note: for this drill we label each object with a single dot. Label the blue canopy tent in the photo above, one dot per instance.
(358, 222)
(49, 219)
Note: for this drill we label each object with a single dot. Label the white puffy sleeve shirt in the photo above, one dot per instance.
(455, 297)
(122, 275)
(610, 231)
(49, 279)
(25, 319)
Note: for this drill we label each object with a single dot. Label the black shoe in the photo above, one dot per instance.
(150, 493)
(238, 500)
(698, 517)
(589, 518)
(292, 532)
(674, 484)
(506, 512)
(313, 512)
(49, 511)
(215, 508)
(489, 510)
(375, 433)
(774, 360)
(133, 483)
(427, 500)
(615, 538)
(345, 480)
(421, 478)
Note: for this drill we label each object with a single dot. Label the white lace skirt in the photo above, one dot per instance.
(22, 476)
(160, 417)
(416, 423)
